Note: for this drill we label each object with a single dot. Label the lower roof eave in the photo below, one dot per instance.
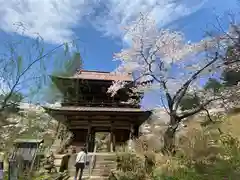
(96, 110)
(92, 109)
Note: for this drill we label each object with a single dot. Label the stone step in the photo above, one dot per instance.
(106, 166)
(111, 157)
(101, 172)
(86, 173)
(105, 160)
(91, 178)
(95, 171)
(72, 172)
(105, 163)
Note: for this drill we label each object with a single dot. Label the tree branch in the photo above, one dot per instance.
(200, 108)
(5, 101)
(164, 105)
(182, 91)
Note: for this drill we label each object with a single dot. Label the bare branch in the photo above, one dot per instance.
(164, 105)
(200, 108)
(16, 83)
(182, 91)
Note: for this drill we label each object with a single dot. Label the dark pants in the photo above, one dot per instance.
(79, 166)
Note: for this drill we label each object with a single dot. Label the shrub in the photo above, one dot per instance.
(204, 157)
(132, 166)
(203, 154)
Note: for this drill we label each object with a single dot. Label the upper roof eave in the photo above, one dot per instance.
(97, 75)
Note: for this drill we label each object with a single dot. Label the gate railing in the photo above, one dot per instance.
(93, 160)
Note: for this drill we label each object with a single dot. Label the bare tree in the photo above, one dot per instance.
(23, 71)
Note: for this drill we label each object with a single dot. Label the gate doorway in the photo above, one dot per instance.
(103, 141)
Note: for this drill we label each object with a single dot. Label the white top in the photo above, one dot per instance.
(81, 157)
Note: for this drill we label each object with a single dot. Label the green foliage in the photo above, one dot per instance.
(12, 103)
(189, 101)
(19, 64)
(64, 68)
(213, 84)
(68, 67)
(14, 97)
(130, 166)
(230, 76)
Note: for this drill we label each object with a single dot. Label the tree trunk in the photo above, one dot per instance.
(169, 137)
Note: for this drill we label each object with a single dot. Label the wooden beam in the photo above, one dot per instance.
(89, 117)
(100, 117)
(101, 123)
(121, 121)
(105, 113)
(98, 127)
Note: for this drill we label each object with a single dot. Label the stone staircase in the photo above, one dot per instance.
(104, 163)
(71, 168)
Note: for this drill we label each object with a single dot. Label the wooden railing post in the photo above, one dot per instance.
(112, 138)
(93, 161)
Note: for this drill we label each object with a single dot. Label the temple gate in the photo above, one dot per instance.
(87, 108)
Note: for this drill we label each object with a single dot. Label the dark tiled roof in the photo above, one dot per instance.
(99, 75)
(91, 109)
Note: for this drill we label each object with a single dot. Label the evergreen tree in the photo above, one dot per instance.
(66, 69)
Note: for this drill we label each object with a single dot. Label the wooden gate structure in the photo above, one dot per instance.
(87, 108)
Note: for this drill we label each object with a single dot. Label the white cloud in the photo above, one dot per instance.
(121, 12)
(55, 20)
(52, 19)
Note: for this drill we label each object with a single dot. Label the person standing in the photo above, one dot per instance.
(81, 160)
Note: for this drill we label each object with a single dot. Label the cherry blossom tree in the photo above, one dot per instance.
(162, 60)
(30, 122)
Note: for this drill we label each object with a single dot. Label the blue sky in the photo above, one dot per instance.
(98, 23)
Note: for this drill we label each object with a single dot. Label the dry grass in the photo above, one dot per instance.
(203, 153)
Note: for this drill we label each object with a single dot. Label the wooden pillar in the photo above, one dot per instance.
(112, 138)
(77, 91)
(92, 139)
(136, 131)
(65, 92)
(89, 134)
(131, 134)
(114, 141)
